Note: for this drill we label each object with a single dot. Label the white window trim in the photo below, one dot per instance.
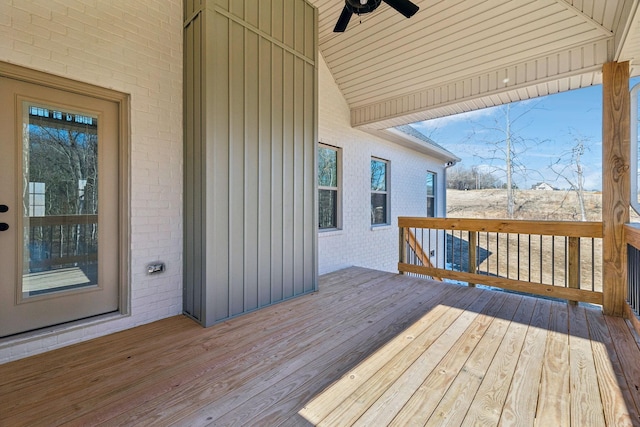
(435, 194)
(387, 178)
(338, 189)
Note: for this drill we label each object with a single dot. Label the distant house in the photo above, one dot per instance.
(542, 186)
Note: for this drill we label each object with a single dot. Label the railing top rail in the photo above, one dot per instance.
(37, 221)
(550, 228)
(632, 234)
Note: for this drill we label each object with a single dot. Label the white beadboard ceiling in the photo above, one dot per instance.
(460, 55)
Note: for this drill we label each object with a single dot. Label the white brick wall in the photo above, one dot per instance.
(133, 47)
(357, 243)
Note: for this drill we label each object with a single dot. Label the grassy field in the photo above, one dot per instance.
(529, 204)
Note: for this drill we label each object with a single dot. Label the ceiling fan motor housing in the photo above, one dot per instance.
(354, 6)
(360, 7)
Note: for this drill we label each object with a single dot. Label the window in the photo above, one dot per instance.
(379, 191)
(328, 187)
(431, 194)
(36, 198)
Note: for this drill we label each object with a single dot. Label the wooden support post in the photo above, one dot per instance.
(472, 257)
(615, 183)
(574, 265)
(402, 246)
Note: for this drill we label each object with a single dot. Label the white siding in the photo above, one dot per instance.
(357, 243)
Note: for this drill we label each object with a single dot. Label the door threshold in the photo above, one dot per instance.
(74, 328)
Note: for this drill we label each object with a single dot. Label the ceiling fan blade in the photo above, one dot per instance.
(405, 7)
(343, 21)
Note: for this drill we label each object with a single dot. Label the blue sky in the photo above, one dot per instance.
(549, 126)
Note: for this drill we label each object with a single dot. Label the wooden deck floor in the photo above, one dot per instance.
(370, 348)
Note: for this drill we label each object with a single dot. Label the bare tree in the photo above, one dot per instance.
(569, 168)
(63, 157)
(474, 178)
(505, 148)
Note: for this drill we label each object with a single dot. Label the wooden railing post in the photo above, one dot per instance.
(616, 183)
(402, 246)
(573, 268)
(472, 260)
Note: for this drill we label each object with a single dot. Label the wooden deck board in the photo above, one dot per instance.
(373, 389)
(493, 391)
(241, 344)
(626, 347)
(398, 353)
(523, 367)
(401, 390)
(346, 344)
(610, 374)
(425, 398)
(455, 403)
(553, 402)
(369, 348)
(586, 403)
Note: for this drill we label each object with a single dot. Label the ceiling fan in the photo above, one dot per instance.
(360, 7)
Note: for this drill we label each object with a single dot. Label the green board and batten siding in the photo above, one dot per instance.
(250, 120)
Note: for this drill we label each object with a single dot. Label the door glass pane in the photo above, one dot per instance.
(60, 200)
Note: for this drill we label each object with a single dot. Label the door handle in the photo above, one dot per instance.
(4, 208)
(4, 226)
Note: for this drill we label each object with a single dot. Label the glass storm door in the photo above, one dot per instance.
(58, 203)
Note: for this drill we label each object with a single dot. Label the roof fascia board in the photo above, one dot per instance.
(408, 141)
